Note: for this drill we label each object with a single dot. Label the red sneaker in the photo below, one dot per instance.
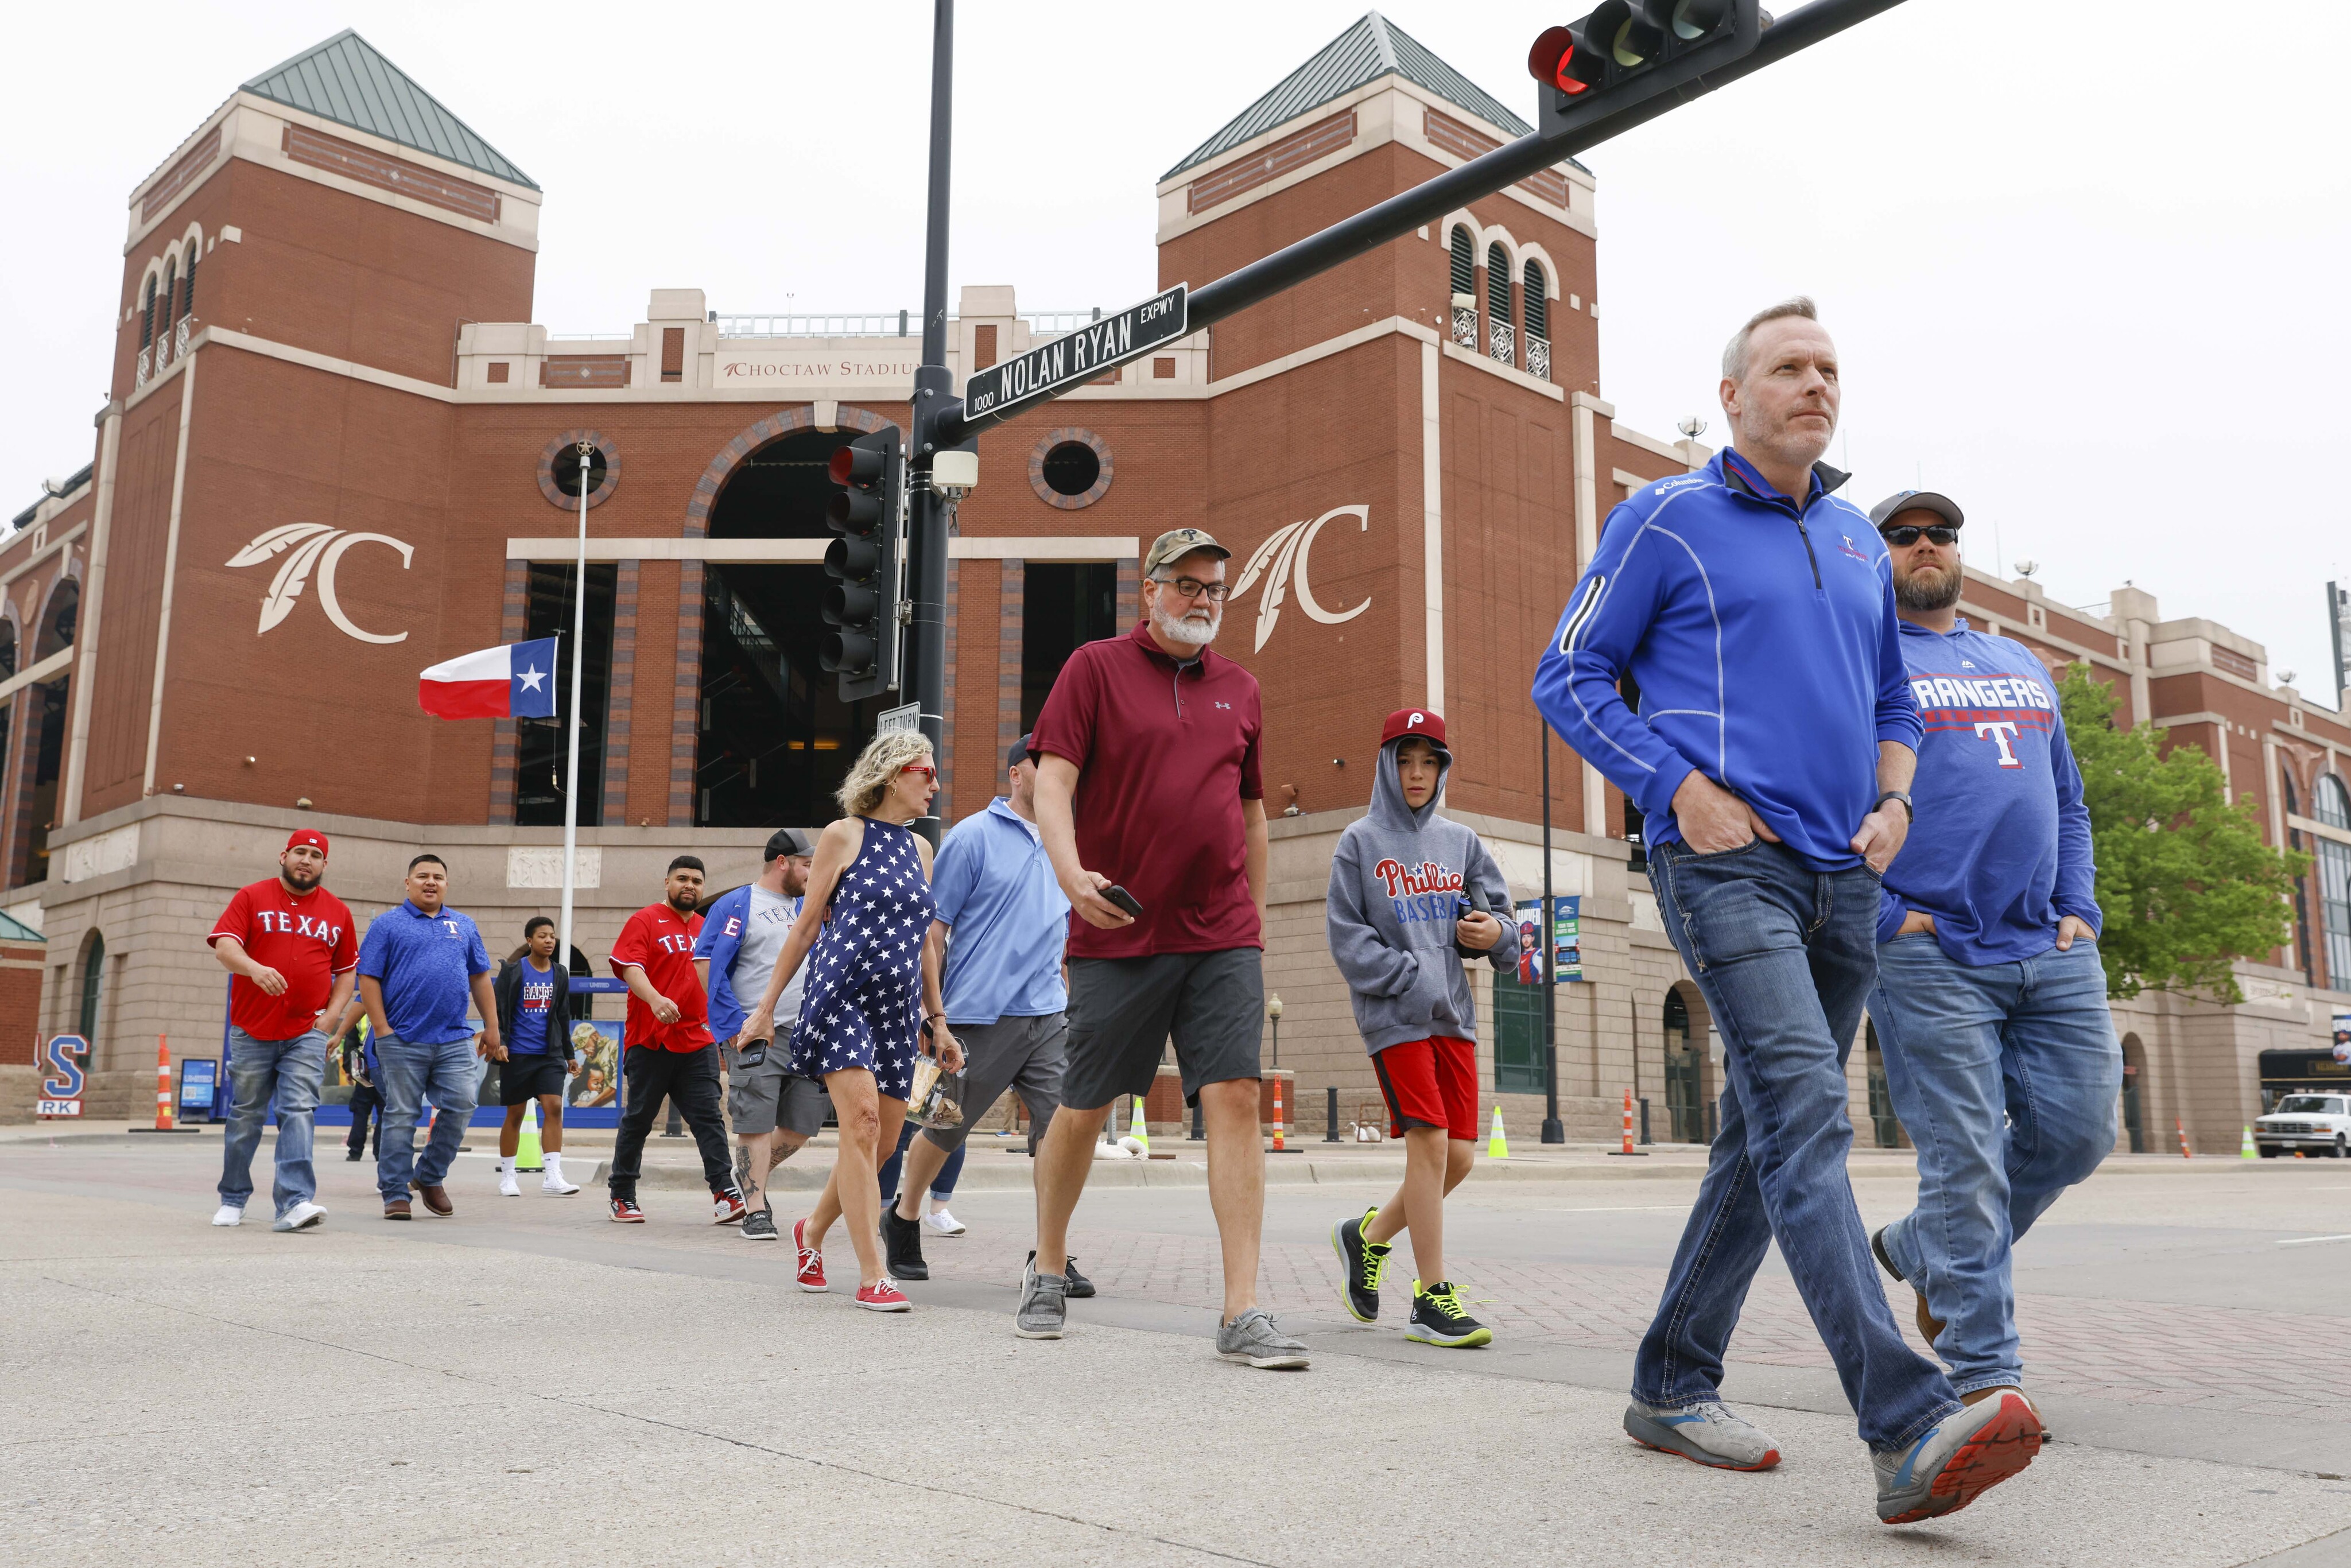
(626, 1212)
(727, 1207)
(881, 1296)
(811, 1268)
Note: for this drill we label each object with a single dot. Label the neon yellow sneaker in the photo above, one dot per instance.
(1438, 1319)
(1364, 1262)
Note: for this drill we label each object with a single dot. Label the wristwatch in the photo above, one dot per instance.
(1909, 810)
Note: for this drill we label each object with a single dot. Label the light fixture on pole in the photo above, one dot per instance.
(1273, 1011)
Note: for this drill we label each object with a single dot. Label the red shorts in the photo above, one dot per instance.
(1430, 1083)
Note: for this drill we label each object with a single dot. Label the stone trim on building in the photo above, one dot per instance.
(505, 738)
(1053, 498)
(556, 496)
(620, 694)
(685, 697)
(1011, 624)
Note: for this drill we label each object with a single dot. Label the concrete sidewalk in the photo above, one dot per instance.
(530, 1383)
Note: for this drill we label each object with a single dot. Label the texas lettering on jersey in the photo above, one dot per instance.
(1426, 892)
(1994, 711)
(287, 924)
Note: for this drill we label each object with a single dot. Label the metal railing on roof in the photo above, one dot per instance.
(877, 323)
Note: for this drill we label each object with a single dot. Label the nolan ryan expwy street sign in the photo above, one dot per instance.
(1078, 357)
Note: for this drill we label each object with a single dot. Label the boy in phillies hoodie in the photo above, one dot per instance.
(1411, 895)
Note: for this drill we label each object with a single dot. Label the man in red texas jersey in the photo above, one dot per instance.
(669, 1055)
(290, 944)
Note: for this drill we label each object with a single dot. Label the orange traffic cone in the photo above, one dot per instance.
(2183, 1126)
(1281, 1146)
(163, 1123)
(1628, 1148)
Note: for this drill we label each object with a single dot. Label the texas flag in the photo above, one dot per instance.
(517, 681)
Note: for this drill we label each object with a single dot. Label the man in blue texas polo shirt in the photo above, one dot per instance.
(419, 965)
(1990, 1001)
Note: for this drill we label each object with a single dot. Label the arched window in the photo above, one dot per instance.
(56, 632)
(93, 973)
(1501, 321)
(171, 288)
(2334, 881)
(8, 649)
(2333, 809)
(188, 288)
(147, 314)
(1465, 288)
(1538, 310)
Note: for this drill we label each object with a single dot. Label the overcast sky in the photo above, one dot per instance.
(2096, 305)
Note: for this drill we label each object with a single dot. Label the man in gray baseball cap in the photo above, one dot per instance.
(1935, 509)
(742, 932)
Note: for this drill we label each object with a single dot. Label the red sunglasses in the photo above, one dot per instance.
(925, 768)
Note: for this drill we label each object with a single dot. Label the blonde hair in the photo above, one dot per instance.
(870, 776)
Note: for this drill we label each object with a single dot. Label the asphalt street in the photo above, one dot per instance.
(528, 1383)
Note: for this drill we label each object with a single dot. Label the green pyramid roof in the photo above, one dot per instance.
(1372, 49)
(345, 80)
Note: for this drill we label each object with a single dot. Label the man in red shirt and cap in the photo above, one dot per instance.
(1147, 790)
(669, 1055)
(289, 945)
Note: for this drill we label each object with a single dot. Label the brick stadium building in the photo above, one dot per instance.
(336, 450)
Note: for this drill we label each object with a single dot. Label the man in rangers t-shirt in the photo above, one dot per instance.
(669, 1055)
(289, 945)
(1147, 779)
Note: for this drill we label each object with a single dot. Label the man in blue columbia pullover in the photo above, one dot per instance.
(1774, 740)
(1988, 978)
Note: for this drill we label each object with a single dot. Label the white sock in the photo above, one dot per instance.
(506, 1165)
(553, 1160)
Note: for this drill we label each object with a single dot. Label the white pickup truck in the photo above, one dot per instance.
(2315, 1125)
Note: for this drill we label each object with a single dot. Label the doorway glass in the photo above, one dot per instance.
(1685, 1099)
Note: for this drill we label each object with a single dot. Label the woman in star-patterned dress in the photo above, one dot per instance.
(865, 989)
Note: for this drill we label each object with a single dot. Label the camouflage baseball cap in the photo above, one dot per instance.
(1177, 543)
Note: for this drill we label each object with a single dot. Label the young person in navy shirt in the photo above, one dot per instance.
(534, 998)
(420, 966)
(290, 944)
(668, 1052)
(1990, 1001)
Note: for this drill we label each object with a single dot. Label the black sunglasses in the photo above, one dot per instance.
(1904, 536)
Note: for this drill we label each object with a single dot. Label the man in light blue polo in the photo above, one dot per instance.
(419, 965)
(1002, 921)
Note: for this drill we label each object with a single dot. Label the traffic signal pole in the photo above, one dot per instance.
(924, 669)
(1499, 170)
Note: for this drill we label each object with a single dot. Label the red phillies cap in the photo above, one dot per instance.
(1417, 721)
(300, 836)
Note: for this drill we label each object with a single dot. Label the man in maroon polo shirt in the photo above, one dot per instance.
(1147, 781)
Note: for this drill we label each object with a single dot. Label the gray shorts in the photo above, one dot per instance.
(763, 1098)
(1024, 1055)
(1122, 1012)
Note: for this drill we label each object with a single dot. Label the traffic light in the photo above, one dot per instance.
(1627, 51)
(861, 603)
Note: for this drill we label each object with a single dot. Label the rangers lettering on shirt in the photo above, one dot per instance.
(1997, 710)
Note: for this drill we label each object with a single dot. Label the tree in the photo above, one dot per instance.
(2184, 879)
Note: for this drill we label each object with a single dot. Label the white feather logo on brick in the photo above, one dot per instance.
(316, 551)
(1282, 561)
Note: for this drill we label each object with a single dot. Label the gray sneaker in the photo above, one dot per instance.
(1251, 1337)
(1042, 1307)
(1706, 1433)
(1970, 1453)
(759, 1225)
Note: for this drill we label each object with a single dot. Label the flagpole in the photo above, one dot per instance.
(572, 768)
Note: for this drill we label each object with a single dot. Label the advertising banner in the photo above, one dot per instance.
(1562, 964)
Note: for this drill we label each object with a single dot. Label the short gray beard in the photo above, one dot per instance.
(1176, 630)
(1912, 593)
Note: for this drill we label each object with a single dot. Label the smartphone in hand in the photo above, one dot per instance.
(1124, 900)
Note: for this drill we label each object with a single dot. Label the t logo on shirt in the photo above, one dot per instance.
(2000, 732)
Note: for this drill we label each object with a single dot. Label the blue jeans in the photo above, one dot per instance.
(289, 1072)
(1783, 956)
(408, 1073)
(942, 1188)
(2005, 1078)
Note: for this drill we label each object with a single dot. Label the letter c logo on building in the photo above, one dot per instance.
(1282, 559)
(315, 547)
